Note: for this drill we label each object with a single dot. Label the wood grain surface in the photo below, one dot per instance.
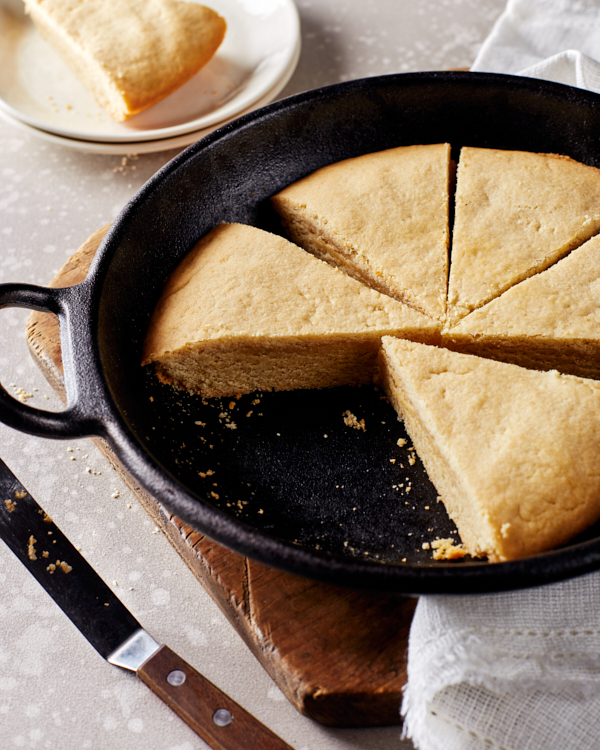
(339, 656)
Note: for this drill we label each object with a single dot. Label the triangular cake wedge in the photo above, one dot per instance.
(247, 310)
(382, 218)
(129, 53)
(514, 453)
(550, 321)
(516, 214)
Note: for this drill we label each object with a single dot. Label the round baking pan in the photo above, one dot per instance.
(280, 477)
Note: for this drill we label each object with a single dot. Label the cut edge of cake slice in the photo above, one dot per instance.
(248, 310)
(383, 218)
(514, 453)
(549, 321)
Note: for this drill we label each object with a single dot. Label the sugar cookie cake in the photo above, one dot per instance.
(129, 53)
(549, 321)
(514, 453)
(516, 214)
(248, 310)
(382, 218)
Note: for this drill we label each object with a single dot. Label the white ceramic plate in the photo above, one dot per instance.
(142, 147)
(36, 87)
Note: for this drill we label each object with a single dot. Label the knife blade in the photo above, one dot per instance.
(114, 632)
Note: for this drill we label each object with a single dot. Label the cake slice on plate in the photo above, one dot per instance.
(514, 453)
(129, 53)
(248, 310)
(550, 321)
(517, 213)
(382, 218)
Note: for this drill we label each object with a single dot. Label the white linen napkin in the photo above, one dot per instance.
(510, 671)
(558, 40)
(518, 670)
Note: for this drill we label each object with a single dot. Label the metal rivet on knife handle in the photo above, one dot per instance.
(222, 717)
(204, 707)
(176, 677)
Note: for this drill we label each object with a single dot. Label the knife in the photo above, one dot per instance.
(113, 631)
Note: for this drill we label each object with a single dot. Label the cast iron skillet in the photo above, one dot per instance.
(293, 486)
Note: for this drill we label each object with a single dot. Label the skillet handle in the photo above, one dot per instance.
(69, 423)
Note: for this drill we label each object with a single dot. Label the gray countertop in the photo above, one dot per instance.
(55, 691)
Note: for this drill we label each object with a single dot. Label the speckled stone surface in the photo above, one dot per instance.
(55, 691)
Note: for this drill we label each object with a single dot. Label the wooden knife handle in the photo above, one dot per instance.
(219, 720)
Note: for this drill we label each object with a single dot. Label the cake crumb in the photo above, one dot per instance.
(31, 548)
(116, 493)
(51, 568)
(20, 494)
(447, 549)
(350, 420)
(401, 443)
(392, 460)
(65, 567)
(22, 394)
(10, 505)
(426, 545)
(45, 554)
(205, 474)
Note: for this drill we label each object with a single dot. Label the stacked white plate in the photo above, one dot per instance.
(40, 94)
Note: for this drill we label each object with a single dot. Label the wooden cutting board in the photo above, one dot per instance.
(339, 656)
